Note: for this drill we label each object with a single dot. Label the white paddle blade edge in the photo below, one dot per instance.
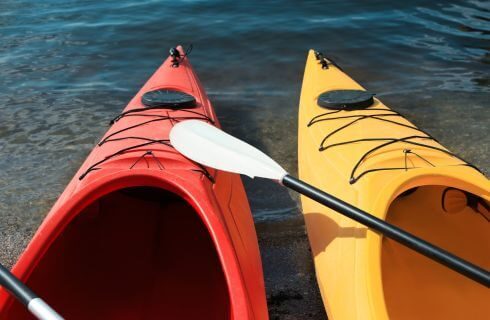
(212, 147)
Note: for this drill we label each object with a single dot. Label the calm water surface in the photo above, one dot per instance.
(66, 67)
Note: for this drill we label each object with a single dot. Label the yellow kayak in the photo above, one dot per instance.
(354, 147)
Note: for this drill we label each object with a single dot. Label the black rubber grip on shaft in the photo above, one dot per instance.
(15, 286)
(421, 246)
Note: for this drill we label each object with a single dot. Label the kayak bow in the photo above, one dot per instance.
(357, 149)
(141, 232)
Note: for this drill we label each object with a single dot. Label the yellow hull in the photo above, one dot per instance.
(362, 275)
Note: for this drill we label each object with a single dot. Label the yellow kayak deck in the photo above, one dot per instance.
(377, 160)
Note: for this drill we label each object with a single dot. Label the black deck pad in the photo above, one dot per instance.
(346, 99)
(167, 98)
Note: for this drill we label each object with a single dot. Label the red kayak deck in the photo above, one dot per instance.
(141, 232)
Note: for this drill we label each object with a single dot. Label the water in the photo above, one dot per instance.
(66, 67)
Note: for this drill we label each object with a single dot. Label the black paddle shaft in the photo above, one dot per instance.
(15, 286)
(421, 246)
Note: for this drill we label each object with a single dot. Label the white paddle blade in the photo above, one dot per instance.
(212, 147)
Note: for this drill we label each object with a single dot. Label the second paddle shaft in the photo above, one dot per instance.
(26, 296)
(388, 230)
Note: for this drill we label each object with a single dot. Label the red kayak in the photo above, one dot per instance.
(141, 232)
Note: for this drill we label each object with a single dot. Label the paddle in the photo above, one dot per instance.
(21, 292)
(214, 148)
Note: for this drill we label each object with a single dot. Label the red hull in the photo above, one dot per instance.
(147, 234)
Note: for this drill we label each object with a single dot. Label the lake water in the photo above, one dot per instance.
(66, 67)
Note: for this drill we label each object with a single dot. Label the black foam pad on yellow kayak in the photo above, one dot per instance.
(346, 99)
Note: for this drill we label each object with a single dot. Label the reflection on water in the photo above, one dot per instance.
(68, 66)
